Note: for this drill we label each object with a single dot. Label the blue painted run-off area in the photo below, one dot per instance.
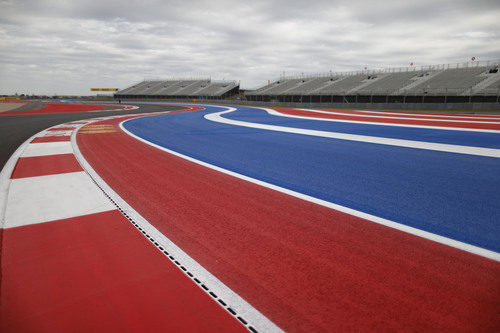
(453, 195)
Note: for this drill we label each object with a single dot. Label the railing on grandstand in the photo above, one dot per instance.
(419, 92)
(189, 77)
(225, 81)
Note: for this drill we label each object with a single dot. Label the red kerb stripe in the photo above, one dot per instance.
(45, 165)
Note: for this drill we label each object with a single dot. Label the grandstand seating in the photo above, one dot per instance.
(344, 85)
(390, 83)
(438, 80)
(189, 87)
(281, 86)
(451, 81)
(161, 87)
(152, 86)
(212, 89)
(136, 88)
(309, 85)
(170, 87)
(439, 83)
(180, 89)
(489, 86)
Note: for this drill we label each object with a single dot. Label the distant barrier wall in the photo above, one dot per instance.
(377, 98)
(389, 106)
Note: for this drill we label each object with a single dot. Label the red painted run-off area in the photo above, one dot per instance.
(57, 108)
(306, 267)
(97, 273)
(402, 114)
(487, 125)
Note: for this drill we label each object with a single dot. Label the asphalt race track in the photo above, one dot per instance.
(230, 218)
(15, 129)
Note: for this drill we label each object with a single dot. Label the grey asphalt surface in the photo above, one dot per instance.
(14, 130)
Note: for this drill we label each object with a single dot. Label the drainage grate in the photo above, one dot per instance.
(177, 263)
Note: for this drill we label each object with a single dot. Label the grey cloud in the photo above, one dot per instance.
(62, 45)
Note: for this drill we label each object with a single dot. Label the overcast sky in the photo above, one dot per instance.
(67, 47)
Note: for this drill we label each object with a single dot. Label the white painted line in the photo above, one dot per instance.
(66, 125)
(388, 223)
(124, 108)
(479, 116)
(256, 319)
(479, 151)
(277, 113)
(58, 133)
(47, 198)
(47, 148)
(379, 116)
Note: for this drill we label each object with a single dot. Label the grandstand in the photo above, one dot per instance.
(451, 83)
(179, 89)
(467, 82)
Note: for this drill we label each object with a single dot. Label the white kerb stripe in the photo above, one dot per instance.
(47, 198)
(57, 133)
(489, 152)
(66, 125)
(47, 148)
(5, 178)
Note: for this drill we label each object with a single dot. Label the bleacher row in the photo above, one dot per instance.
(452, 82)
(180, 89)
(441, 83)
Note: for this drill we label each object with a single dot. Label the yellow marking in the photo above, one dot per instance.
(103, 89)
(99, 126)
(96, 131)
(93, 128)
